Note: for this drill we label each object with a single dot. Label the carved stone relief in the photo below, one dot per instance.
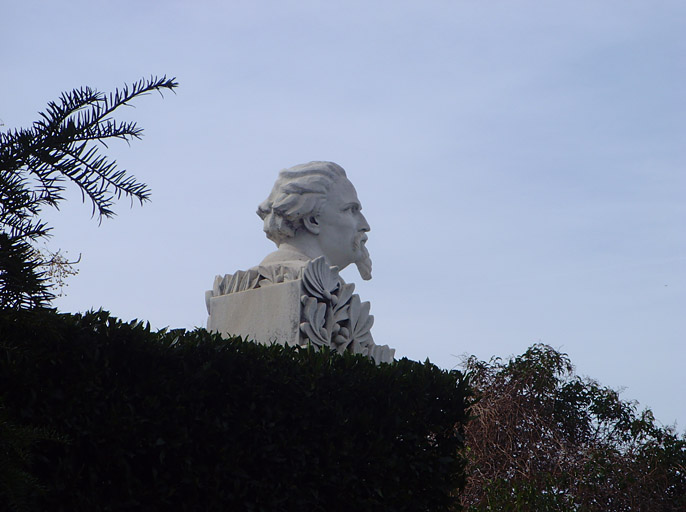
(331, 314)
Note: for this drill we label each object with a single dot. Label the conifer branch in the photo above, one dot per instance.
(64, 144)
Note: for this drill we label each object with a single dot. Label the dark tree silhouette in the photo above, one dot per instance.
(37, 162)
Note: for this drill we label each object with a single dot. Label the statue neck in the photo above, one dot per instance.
(287, 251)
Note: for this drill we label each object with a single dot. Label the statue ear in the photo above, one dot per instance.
(311, 223)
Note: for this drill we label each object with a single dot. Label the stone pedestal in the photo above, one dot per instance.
(267, 315)
(294, 305)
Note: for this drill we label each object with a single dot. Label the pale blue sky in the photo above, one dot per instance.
(521, 163)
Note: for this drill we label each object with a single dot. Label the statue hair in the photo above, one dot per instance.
(299, 191)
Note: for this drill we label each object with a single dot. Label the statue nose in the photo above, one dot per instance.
(364, 226)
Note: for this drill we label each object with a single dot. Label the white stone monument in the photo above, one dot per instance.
(295, 296)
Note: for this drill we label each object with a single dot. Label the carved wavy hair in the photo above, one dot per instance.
(298, 192)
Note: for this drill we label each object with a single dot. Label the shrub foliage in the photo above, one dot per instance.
(188, 421)
(543, 438)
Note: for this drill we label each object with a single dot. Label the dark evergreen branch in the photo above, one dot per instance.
(35, 161)
(105, 105)
(22, 284)
(19, 206)
(52, 146)
(109, 129)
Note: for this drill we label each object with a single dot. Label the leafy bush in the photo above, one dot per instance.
(545, 439)
(189, 421)
(18, 487)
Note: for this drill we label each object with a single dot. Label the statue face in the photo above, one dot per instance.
(342, 227)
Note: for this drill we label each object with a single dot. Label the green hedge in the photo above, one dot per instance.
(188, 421)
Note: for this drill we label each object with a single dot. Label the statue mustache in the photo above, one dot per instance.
(359, 241)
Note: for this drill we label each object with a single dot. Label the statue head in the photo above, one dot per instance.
(314, 208)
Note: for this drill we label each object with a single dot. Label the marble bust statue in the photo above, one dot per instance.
(295, 295)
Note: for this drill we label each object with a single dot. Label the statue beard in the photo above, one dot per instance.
(364, 264)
